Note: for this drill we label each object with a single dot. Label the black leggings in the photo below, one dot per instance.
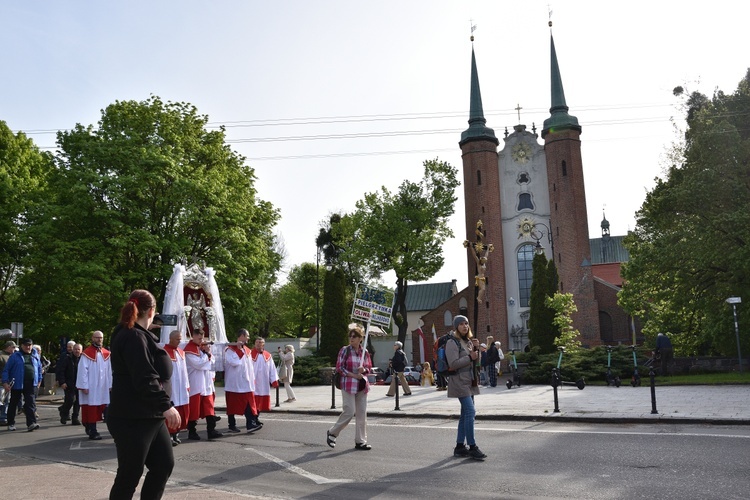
(139, 442)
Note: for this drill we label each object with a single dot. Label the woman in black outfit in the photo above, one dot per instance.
(140, 402)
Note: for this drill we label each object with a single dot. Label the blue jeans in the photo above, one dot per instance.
(466, 421)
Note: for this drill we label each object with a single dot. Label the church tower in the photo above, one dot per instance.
(568, 216)
(482, 203)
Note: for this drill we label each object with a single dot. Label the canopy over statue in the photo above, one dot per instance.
(193, 296)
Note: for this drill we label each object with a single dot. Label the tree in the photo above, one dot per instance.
(295, 302)
(23, 178)
(334, 317)
(564, 307)
(334, 242)
(542, 328)
(690, 249)
(146, 187)
(404, 231)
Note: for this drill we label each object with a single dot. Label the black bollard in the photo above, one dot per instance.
(333, 389)
(652, 375)
(555, 384)
(278, 385)
(398, 383)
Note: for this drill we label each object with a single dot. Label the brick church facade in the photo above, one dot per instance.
(530, 197)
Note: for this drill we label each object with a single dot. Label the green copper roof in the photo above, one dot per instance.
(478, 130)
(559, 119)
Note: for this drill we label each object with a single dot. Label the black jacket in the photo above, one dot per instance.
(398, 361)
(67, 370)
(140, 375)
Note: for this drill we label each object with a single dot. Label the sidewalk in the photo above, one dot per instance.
(716, 404)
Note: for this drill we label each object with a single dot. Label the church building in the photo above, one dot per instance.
(529, 197)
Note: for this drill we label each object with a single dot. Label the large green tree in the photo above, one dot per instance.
(149, 185)
(23, 177)
(296, 302)
(690, 249)
(404, 231)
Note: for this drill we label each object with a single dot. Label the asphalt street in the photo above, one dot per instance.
(290, 460)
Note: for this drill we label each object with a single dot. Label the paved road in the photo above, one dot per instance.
(60, 477)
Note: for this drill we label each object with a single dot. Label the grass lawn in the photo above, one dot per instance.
(702, 379)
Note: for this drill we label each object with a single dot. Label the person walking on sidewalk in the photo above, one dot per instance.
(398, 363)
(141, 409)
(67, 373)
(353, 364)
(94, 382)
(462, 358)
(8, 349)
(287, 369)
(21, 376)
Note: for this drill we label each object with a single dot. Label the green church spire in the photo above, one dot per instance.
(478, 130)
(559, 119)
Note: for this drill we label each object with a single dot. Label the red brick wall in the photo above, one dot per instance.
(570, 233)
(482, 202)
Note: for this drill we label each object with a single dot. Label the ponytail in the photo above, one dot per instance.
(138, 304)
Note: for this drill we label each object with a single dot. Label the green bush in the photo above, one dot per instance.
(307, 369)
(591, 364)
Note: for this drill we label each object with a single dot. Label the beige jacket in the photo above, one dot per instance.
(459, 385)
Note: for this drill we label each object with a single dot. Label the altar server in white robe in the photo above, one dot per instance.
(94, 381)
(266, 377)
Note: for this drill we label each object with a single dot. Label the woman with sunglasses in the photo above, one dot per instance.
(353, 364)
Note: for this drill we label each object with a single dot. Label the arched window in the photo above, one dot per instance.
(448, 318)
(524, 202)
(525, 257)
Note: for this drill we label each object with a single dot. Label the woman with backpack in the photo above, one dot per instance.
(462, 358)
(353, 364)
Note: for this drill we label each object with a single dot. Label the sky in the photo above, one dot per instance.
(329, 100)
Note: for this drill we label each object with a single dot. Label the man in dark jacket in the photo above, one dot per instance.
(67, 372)
(398, 363)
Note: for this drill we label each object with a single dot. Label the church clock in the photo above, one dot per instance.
(521, 152)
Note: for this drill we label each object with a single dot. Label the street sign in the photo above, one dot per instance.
(17, 329)
(373, 305)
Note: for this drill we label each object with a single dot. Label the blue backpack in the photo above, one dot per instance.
(442, 362)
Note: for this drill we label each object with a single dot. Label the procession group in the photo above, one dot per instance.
(85, 375)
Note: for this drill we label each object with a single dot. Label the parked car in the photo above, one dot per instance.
(379, 374)
(410, 373)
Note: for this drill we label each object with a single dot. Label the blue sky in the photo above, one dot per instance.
(332, 99)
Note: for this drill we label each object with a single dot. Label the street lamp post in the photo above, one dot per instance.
(537, 234)
(317, 301)
(734, 301)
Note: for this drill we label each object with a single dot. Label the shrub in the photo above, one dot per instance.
(591, 364)
(307, 369)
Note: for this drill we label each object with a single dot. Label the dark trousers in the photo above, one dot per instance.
(29, 404)
(248, 418)
(139, 442)
(493, 375)
(71, 401)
